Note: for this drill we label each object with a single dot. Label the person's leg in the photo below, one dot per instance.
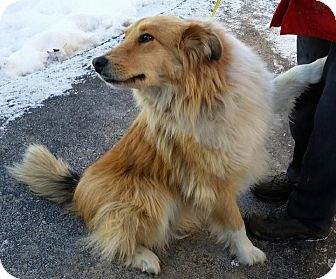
(311, 205)
(301, 125)
(302, 118)
(313, 201)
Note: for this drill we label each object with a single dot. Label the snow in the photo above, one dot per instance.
(65, 25)
(47, 45)
(74, 27)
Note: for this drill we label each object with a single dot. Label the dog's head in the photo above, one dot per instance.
(160, 50)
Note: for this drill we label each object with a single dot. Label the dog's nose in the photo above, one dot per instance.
(99, 63)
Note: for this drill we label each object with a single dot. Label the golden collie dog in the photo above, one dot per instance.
(207, 105)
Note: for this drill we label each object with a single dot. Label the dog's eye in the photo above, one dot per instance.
(145, 38)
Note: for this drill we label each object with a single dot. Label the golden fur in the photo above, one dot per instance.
(206, 109)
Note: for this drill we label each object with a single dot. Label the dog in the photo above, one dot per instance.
(207, 104)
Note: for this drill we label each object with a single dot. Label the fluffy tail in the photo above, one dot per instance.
(292, 83)
(46, 175)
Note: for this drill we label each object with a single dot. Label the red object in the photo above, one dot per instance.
(305, 17)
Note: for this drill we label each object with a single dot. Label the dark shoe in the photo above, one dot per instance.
(281, 227)
(278, 189)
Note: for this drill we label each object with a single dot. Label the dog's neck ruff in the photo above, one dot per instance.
(162, 109)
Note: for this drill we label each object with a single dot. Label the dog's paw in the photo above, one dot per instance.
(316, 70)
(243, 249)
(146, 260)
(251, 255)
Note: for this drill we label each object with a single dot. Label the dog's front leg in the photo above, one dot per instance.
(227, 225)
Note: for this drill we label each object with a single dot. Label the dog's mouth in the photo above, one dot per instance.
(133, 79)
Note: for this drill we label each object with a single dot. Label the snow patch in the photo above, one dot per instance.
(31, 29)
(19, 93)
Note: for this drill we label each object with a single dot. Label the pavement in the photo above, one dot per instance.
(38, 239)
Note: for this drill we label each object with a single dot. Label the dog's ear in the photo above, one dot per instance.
(199, 42)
